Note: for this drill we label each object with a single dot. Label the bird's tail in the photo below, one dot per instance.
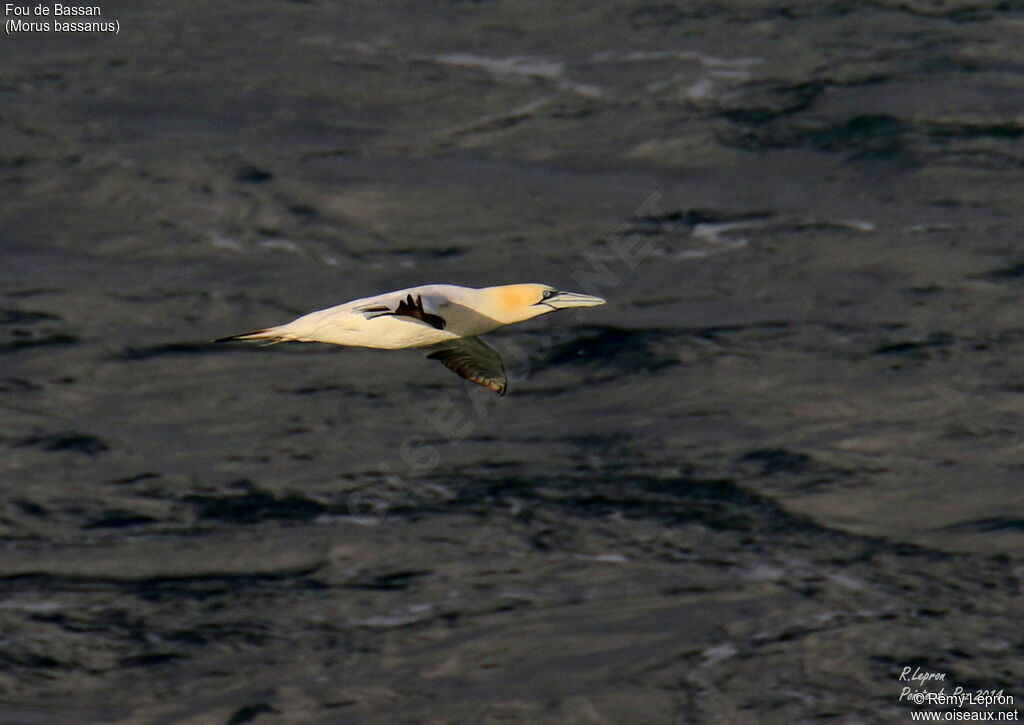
(269, 336)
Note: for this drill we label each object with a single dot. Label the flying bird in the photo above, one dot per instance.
(443, 319)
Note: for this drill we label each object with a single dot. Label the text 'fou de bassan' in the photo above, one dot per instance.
(28, 18)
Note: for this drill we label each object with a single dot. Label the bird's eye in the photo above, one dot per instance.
(548, 293)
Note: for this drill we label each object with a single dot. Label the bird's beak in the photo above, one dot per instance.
(563, 300)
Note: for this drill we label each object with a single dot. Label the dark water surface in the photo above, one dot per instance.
(782, 464)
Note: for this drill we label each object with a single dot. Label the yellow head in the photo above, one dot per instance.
(517, 302)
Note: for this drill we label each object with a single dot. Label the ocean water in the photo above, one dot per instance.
(780, 466)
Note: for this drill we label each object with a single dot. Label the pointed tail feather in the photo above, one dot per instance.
(267, 336)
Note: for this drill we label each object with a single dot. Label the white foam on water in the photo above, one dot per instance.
(490, 120)
(709, 80)
(847, 582)
(228, 243)
(711, 232)
(858, 225)
(708, 61)
(280, 245)
(703, 88)
(519, 596)
(925, 228)
(719, 653)
(766, 573)
(386, 621)
(513, 67)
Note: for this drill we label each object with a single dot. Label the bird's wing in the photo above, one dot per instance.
(473, 359)
(409, 306)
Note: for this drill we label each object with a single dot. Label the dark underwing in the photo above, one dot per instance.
(474, 360)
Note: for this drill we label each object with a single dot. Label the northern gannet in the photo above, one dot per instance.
(445, 319)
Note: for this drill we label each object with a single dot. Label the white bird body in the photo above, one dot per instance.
(444, 317)
(346, 324)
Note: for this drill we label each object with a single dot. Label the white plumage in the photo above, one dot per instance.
(444, 318)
